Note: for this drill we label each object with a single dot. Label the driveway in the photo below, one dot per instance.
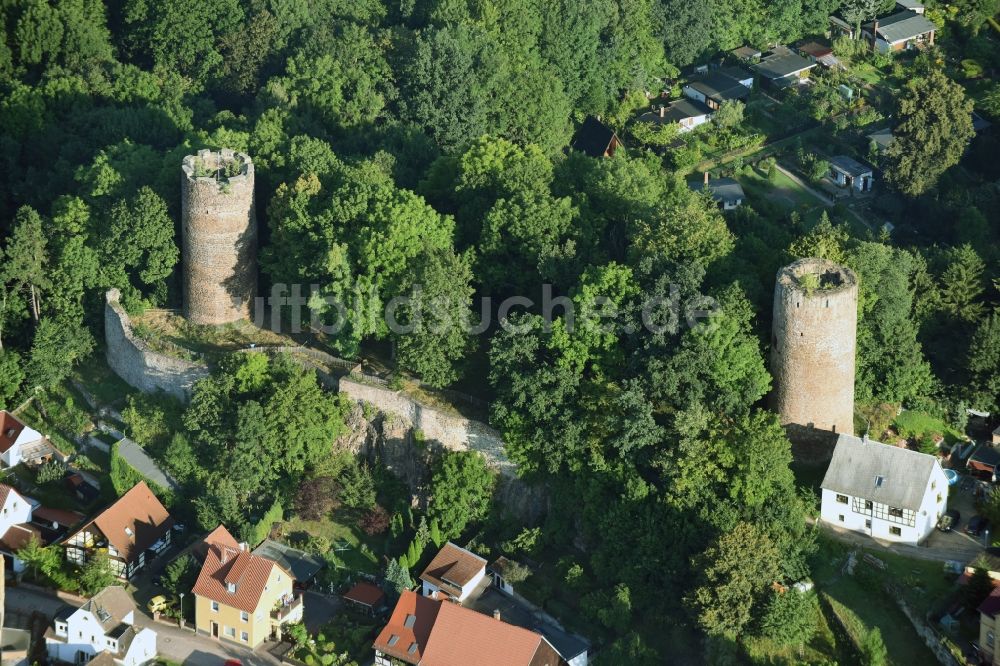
(939, 546)
(172, 642)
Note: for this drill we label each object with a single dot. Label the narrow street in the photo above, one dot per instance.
(173, 643)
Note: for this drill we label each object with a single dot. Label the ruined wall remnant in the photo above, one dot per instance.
(138, 365)
(218, 236)
(813, 342)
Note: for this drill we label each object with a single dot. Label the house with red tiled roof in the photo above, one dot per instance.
(427, 631)
(22, 519)
(20, 443)
(242, 597)
(133, 530)
(454, 572)
(989, 626)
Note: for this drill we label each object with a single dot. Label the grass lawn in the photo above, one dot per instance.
(782, 190)
(342, 529)
(862, 603)
(101, 381)
(913, 424)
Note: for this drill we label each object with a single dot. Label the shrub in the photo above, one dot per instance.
(374, 521)
(316, 498)
(50, 472)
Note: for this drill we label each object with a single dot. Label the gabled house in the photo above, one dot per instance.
(133, 530)
(431, 632)
(886, 492)
(726, 192)
(22, 519)
(22, 444)
(848, 172)
(102, 629)
(989, 628)
(687, 113)
(819, 53)
(596, 139)
(454, 573)
(717, 87)
(783, 68)
(241, 597)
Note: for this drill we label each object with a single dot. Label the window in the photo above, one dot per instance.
(842, 499)
(868, 524)
(244, 616)
(990, 638)
(895, 531)
(895, 513)
(841, 517)
(245, 637)
(879, 480)
(259, 616)
(939, 498)
(215, 606)
(230, 631)
(933, 485)
(868, 505)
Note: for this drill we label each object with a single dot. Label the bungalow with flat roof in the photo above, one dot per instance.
(906, 29)
(848, 172)
(782, 68)
(715, 88)
(746, 53)
(687, 113)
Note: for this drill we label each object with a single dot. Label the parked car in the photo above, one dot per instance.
(977, 525)
(949, 520)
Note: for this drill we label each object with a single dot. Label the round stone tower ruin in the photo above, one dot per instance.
(813, 342)
(219, 236)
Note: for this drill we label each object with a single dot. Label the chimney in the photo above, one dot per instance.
(706, 178)
(663, 110)
(496, 614)
(434, 594)
(243, 546)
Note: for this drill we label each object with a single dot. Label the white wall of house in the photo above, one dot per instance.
(142, 649)
(16, 510)
(430, 588)
(12, 456)
(853, 516)
(689, 124)
(691, 93)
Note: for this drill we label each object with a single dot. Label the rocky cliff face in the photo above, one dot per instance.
(391, 440)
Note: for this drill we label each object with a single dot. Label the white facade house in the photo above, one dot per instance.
(14, 436)
(105, 627)
(15, 514)
(454, 572)
(887, 492)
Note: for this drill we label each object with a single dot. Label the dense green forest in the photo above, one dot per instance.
(425, 142)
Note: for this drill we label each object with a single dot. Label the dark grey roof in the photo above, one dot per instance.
(979, 123)
(678, 110)
(910, 4)
(986, 454)
(782, 63)
(722, 189)
(882, 137)
(301, 564)
(902, 26)
(135, 456)
(720, 87)
(746, 52)
(569, 646)
(849, 165)
(857, 464)
(593, 138)
(736, 73)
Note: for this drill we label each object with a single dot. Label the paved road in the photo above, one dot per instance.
(173, 643)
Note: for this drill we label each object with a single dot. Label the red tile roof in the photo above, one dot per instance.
(10, 428)
(447, 634)
(365, 594)
(991, 605)
(17, 537)
(133, 523)
(405, 635)
(49, 515)
(453, 567)
(220, 536)
(226, 566)
(5, 491)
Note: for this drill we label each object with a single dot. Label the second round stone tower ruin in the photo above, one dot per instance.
(813, 343)
(218, 236)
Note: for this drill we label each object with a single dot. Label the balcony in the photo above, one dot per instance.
(285, 609)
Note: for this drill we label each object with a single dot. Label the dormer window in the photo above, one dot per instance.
(231, 588)
(879, 481)
(129, 532)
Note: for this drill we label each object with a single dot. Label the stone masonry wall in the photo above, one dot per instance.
(140, 366)
(814, 337)
(219, 239)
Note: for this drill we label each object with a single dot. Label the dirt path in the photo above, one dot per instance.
(805, 186)
(941, 548)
